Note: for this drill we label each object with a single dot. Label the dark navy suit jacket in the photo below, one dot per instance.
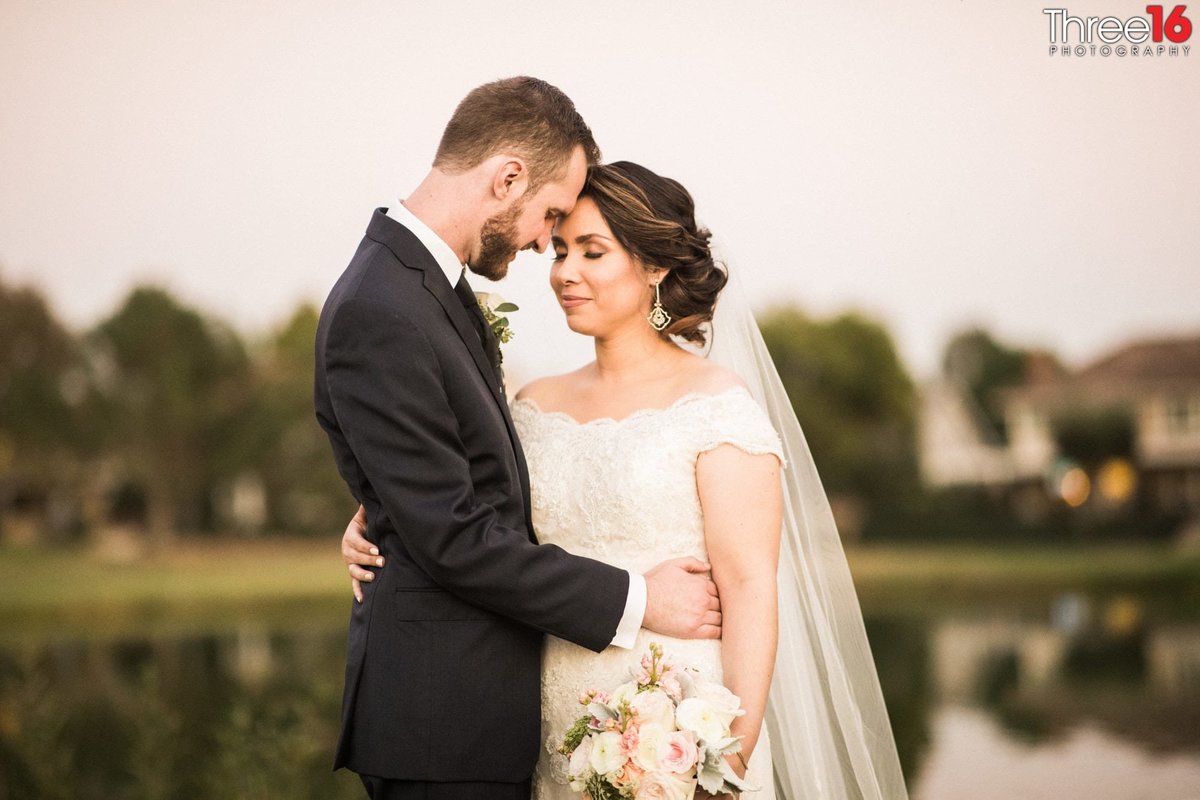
(444, 653)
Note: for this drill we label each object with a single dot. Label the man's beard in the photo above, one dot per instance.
(497, 244)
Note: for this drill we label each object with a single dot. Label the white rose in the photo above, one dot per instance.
(726, 704)
(606, 755)
(488, 299)
(625, 691)
(664, 786)
(578, 768)
(699, 717)
(651, 738)
(654, 707)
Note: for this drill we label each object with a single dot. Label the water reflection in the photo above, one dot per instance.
(996, 705)
(249, 714)
(1011, 705)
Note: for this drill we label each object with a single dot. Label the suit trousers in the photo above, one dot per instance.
(390, 789)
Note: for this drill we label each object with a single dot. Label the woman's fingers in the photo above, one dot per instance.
(359, 574)
(353, 556)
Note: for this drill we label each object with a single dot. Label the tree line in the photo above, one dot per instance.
(164, 419)
(160, 417)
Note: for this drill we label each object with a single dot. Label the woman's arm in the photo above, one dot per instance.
(742, 501)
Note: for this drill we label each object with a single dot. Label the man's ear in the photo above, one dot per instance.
(510, 179)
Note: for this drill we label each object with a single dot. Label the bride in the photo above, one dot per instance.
(653, 452)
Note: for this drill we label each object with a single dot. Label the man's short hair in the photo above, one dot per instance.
(525, 116)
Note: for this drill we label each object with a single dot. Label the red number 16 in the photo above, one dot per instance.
(1177, 28)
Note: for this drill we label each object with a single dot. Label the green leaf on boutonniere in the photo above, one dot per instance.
(492, 305)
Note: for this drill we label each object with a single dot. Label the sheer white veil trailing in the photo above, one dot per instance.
(829, 730)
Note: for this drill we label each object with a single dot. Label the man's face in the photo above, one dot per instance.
(527, 224)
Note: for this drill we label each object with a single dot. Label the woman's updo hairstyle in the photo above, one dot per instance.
(654, 218)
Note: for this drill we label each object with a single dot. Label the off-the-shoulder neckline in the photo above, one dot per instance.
(682, 400)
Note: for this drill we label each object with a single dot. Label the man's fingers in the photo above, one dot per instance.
(708, 632)
(692, 565)
(711, 618)
(714, 603)
(358, 595)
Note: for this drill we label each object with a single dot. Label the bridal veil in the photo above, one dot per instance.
(829, 729)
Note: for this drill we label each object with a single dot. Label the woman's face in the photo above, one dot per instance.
(601, 287)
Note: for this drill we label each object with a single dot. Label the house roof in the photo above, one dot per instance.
(1149, 361)
(1150, 365)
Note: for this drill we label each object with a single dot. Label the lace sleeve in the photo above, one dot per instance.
(733, 417)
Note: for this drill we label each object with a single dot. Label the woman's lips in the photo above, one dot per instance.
(571, 301)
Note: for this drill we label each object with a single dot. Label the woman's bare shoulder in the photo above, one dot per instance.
(546, 392)
(708, 378)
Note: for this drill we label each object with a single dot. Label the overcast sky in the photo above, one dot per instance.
(928, 163)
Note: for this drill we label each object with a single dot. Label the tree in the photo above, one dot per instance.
(854, 400)
(982, 365)
(304, 490)
(173, 391)
(42, 388)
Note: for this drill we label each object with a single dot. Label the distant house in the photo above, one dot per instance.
(952, 444)
(1154, 384)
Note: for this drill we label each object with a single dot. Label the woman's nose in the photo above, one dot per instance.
(565, 272)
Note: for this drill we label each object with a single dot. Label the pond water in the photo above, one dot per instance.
(1079, 700)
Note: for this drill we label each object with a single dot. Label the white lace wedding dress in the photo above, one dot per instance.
(624, 492)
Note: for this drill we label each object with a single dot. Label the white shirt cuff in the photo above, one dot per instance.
(635, 612)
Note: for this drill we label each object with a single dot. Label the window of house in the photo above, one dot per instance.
(1183, 413)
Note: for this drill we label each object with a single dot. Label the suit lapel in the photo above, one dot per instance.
(435, 283)
(490, 344)
(409, 250)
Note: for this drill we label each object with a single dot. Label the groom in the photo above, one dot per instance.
(442, 675)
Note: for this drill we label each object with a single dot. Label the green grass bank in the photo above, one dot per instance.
(284, 582)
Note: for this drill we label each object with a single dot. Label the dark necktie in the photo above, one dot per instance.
(490, 345)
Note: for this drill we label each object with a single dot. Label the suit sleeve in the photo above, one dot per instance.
(387, 394)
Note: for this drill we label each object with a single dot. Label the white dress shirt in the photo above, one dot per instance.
(635, 603)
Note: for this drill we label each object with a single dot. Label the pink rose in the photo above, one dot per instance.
(665, 786)
(670, 684)
(654, 707)
(629, 776)
(678, 753)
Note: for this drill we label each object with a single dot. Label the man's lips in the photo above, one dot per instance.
(570, 301)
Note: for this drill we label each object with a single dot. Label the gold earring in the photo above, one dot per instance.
(659, 318)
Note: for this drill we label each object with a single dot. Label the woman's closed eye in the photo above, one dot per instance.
(559, 255)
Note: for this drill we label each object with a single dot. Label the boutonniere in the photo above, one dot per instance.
(493, 307)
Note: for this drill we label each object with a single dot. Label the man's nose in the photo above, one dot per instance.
(543, 240)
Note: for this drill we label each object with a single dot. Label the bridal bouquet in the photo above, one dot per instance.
(657, 736)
